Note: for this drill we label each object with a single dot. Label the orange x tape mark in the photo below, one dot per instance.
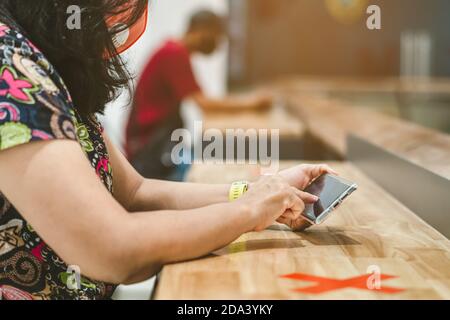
(328, 284)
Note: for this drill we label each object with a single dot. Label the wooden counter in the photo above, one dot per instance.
(390, 85)
(276, 118)
(331, 120)
(370, 229)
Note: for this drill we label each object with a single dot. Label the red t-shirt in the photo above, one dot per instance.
(167, 79)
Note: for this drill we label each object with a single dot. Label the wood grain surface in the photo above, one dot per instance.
(331, 120)
(277, 117)
(370, 230)
(392, 85)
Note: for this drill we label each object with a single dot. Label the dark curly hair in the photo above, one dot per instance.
(78, 55)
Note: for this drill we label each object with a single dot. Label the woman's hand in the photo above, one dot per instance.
(271, 197)
(302, 175)
(298, 224)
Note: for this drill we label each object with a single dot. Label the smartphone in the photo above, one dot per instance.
(332, 191)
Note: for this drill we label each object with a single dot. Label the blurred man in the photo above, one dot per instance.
(167, 80)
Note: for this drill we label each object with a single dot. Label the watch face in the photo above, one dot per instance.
(347, 11)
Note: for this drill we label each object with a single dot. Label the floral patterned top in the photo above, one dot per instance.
(36, 105)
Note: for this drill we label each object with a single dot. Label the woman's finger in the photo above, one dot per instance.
(289, 214)
(297, 205)
(327, 169)
(307, 197)
(300, 225)
(315, 171)
(285, 221)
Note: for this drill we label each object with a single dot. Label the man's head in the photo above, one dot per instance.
(206, 30)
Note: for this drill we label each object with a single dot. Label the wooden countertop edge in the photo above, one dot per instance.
(323, 117)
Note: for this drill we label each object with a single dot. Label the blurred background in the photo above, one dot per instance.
(329, 38)
(315, 39)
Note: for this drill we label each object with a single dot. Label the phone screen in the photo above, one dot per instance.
(328, 189)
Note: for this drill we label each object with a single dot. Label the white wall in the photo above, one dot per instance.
(168, 18)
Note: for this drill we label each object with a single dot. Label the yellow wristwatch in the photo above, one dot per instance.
(237, 189)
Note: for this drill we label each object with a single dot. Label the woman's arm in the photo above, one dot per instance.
(56, 190)
(177, 195)
(136, 193)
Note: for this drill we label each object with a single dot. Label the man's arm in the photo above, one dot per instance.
(180, 77)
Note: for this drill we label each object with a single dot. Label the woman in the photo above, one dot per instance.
(68, 197)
